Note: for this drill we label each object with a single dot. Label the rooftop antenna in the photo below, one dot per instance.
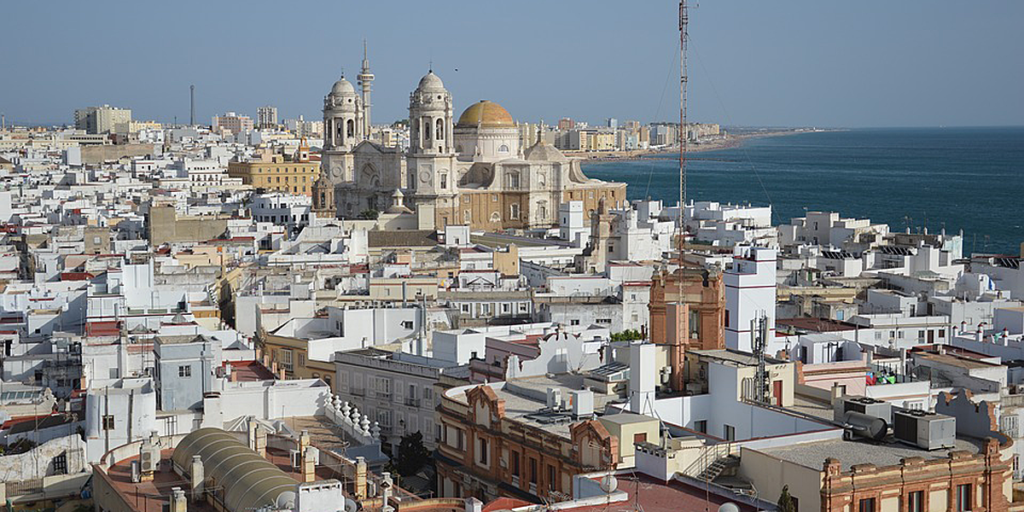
(192, 105)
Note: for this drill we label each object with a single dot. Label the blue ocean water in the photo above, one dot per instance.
(957, 178)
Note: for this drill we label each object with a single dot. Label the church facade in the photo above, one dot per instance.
(470, 171)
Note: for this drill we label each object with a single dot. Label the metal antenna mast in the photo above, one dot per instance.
(192, 105)
(684, 19)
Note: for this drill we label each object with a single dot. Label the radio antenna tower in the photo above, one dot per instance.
(192, 105)
(684, 19)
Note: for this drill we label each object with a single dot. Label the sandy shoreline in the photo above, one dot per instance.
(731, 141)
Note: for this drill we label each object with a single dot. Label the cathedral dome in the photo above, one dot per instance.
(430, 82)
(343, 88)
(486, 114)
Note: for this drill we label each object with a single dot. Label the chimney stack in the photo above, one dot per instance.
(177, 500)
(309, 460)
(360, 490)
(197, 478)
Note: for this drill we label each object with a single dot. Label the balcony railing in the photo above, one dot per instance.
(383, 395)
(412, 402)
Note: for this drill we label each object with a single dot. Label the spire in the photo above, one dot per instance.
(366, 60)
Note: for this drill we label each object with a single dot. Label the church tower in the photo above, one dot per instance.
(343, 130)
(431, 163)
(365, 80)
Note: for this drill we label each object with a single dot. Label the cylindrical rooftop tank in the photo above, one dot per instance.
(862, 425)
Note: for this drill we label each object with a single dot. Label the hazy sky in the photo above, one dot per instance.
(753, 62)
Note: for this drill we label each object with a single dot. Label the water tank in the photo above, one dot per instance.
(861, 425)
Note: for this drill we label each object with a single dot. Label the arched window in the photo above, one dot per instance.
(513, 211)
(439, 130)
(495, 217)
(426, 130)
(503, 149)
(350, 128)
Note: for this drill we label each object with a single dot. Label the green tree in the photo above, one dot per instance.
(786, 501)
(627, 335)
(412, 455)
(370, 214)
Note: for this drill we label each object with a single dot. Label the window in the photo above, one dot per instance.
(964, 497)
(551, 477)
(184, 371)
(302, 360)
(286, 357)
(108, 422)
(407, 324)
(533, 470)
(513, 211)
(513, 180)
(60, 464)
(483, 454)
(701, 426)
(604, 321)
(915, 501)
(574, 322)
(867, 505)
(730, 433)
(444, 181)
(494, 198)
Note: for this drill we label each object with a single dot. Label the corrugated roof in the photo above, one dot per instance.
(249, 481)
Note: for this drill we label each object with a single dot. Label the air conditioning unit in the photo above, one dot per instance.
(923, 429)
(296, 458)
(864, 405)
(149, 458)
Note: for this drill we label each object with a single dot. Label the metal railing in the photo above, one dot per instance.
(708, 455)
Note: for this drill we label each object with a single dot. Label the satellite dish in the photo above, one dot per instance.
(609, 483)
(728, 507)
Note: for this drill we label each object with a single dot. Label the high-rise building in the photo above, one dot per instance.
(232, 122)
(565, 124)
(612, 123)
(266, 117)
(105, 119)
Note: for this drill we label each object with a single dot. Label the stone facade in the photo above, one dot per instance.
(474, 172)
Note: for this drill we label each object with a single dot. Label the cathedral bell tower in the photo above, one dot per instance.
(343, 130)
(431, 164)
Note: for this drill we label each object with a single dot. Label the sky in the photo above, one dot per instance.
(871, 63)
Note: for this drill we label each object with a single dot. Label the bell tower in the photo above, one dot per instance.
(343, 130)
(431, 160)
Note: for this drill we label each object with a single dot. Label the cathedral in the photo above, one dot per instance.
(471, 171)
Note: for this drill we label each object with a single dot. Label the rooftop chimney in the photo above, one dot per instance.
(309, 460)
(196, 477)
(360, 490)
(642, 375)
(177, 500)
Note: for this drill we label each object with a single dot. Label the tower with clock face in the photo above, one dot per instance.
(431, 162)
(343, 130)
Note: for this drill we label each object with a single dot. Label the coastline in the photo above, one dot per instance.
(728, 142)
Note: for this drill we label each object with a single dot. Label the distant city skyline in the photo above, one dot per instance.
(803, 63)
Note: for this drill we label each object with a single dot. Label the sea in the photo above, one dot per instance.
(969, 179)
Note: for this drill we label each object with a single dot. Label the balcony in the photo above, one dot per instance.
(383, 395)
(412, 402)
(357, 391)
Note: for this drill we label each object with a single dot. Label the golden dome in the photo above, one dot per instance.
(486, 114)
